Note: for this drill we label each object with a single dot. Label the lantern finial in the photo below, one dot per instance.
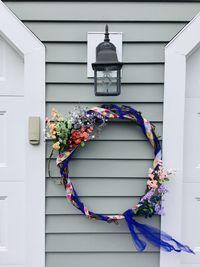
(106, 34)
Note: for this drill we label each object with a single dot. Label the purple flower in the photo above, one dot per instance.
(162, 189)
(159, 210)
(148, 195)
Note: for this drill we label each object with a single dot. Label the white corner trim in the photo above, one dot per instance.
(13, 29)
(33, 52)
(174, 97)
(186, 40)
(176, 53)
(34, 83)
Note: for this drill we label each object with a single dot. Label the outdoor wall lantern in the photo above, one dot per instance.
(107, 69)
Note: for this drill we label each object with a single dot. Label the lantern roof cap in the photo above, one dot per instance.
(106, 52)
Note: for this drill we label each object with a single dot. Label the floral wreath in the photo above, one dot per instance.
(67, 134)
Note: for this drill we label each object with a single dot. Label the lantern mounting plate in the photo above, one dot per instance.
(93, 40)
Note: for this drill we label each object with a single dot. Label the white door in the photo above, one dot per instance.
(21, 164)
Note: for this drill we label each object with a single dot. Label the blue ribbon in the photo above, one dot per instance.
(158, 238)
(139, 244)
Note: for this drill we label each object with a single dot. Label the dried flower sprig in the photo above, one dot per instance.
(80, 126)
(151, 202)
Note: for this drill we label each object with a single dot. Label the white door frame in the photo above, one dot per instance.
(176, 53)
(33, 52)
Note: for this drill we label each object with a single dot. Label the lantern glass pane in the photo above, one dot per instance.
(107, 82)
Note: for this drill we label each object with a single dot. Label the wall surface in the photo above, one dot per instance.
(110, 172)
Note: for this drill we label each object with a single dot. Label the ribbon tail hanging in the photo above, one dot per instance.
(158, 238)
(139, 244)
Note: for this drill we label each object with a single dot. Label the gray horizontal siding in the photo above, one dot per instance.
(104, 205)
(132, 32)
(92, 243)
(71, 224)
(116, 259)
(100, 187)
(135, 11)
(105, 168)
(85, 93)
(114, 150)
(132, 52)
(110, 172)
(77, 73)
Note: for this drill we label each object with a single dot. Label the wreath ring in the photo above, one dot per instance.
(150, 203)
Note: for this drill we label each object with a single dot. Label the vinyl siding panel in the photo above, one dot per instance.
(132, 32)
(116, 259)
(106, 205)
(77, 73)
(107, 150)
(71, 224)
(105, 168)
(101, 187)
(135, 11)
(84, 93)
(110, 172)
(132, 52)
(91, 243)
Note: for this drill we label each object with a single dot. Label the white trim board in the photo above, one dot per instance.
(176, 53)
(33, 52)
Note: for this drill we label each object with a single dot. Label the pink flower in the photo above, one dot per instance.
(152, 184)
(69, 186)
(163, 173)
(69, 197)
(151, 176)
(162, 176)
(160, 162)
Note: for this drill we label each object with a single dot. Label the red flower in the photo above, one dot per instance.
(76, 134)
(77, 141)
(85, 136)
